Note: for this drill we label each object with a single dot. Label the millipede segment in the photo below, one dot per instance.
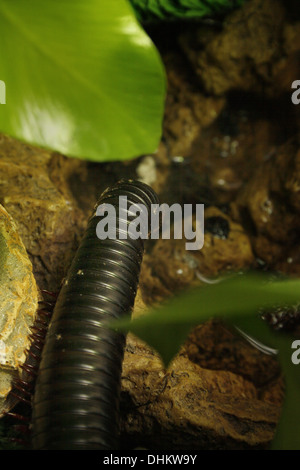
(76, 399)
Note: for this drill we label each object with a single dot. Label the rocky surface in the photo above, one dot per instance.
(252, 52)
(40, 209)
(269, 202)
(170, 267)
(190, 407)
(187, 110)
(19, 302)
(219, 392)
(50, 197)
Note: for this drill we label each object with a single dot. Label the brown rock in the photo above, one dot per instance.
(269, 202)
(219, 392)
(187, 109)
(247, 132)
(250, 53)
(189, 407)
(18, 304)
(46, 215)
(215, 346)
(223, 254)
(170, 267)
(51, 198)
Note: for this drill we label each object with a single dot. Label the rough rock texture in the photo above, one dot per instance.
(39, 208)
(51, 198)
(170, 267)
(190, 407)
(18, 303)
(219, 392)
(248, 131)
(188, 110)
(213, 345)
(269, 205)
(252, 51)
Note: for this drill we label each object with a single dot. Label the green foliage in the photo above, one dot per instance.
(81, 78)
(236, 300)
(157, 10)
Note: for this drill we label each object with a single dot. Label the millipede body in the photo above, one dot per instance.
(76, 398)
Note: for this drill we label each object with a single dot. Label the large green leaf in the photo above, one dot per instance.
(81, 77)
(236, 300)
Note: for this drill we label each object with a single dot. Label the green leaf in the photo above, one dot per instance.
(82, 78)
(158, 10)
(236, 300)
(288, 432)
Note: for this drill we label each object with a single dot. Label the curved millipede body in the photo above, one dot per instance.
(76, 397)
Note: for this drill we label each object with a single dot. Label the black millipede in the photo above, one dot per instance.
(76, 397)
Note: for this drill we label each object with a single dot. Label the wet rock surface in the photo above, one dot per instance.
(230, 141)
